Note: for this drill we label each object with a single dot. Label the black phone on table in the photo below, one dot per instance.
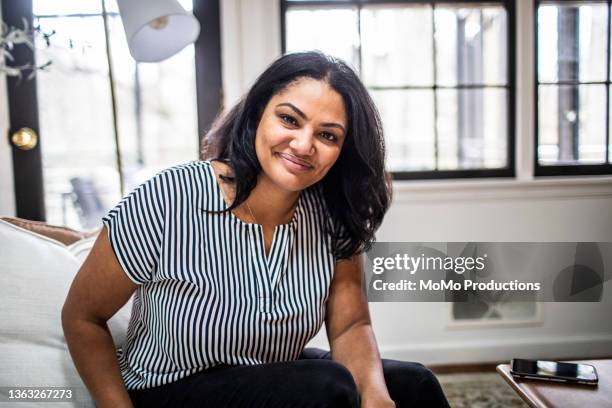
(554, 371)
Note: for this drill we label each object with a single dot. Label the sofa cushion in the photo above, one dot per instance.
(65, 235)
(35, 274)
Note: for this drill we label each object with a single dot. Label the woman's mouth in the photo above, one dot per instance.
(293, 164)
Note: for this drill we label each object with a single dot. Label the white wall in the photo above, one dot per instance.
(250, 40)
(536, 211)
(7, 195)
(525, 209)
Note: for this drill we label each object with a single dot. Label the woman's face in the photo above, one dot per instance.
(300, 134)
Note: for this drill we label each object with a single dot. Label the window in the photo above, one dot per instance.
(157, 111)
(441, 74)
(573, 88)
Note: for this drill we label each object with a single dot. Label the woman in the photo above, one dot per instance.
(237, 261)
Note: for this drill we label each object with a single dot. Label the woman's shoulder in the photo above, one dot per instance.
(184, 185)
(185, 178)
(192, 166)
(191, 169)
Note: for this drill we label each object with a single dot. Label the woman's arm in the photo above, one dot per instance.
(99, 289)
(350, 334)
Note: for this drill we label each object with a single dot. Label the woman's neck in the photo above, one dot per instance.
(267, 204)
(271, 205)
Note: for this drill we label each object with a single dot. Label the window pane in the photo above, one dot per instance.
(472, 128)
(63, 7)
(156, 116)
(572, 42)
(471, 45)
(75, 116)
(331, 30)
(397, 51)
(407, 118)
(397, 45)
(571, 124)
(156, 132)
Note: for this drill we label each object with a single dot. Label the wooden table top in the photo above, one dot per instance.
(547, 394)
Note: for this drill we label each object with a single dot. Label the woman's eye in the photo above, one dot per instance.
(329, 136)
(288, 119)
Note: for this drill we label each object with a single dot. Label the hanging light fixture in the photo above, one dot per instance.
(157, 29)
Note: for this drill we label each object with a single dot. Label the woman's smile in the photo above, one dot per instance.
(293, 163)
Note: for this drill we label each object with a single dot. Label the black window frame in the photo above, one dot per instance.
(571, 169)
(509, 171)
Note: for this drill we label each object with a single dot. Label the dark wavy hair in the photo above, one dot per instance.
(356, 190)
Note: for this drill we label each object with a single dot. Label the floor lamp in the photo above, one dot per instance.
(155, 30)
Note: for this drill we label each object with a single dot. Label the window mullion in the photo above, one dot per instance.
(434, 90)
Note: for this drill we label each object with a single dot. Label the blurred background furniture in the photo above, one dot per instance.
(87, 202)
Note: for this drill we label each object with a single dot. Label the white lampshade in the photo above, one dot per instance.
(157, 29)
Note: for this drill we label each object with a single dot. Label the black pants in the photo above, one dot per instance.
(312, 381)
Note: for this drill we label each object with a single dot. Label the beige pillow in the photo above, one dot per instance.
(65, 235)
(35, 274)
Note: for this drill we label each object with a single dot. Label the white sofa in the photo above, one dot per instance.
(37, 265)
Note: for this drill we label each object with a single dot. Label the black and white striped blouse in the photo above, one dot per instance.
(207, 292)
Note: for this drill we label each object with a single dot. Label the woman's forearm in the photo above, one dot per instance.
(93, 352)
(356, 349)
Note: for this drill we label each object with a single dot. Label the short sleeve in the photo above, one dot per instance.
(135, 229)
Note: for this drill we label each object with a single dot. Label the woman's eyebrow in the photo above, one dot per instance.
(292, 106)
(303, 115)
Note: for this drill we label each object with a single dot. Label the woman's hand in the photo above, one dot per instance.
(376, 401)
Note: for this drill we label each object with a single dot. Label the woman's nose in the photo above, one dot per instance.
(302, 142)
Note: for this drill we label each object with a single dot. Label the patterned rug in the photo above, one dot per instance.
(479, 390)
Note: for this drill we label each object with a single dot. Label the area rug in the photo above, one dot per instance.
(479, 390)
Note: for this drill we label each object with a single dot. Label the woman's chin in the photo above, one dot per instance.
(292, 185)
(290, 182)
(287, 177)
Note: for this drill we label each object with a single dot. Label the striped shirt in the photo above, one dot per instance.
(207, 293)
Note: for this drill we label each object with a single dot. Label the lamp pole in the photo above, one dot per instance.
(111, 77)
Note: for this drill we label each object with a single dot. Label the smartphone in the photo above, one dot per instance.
(554, 371)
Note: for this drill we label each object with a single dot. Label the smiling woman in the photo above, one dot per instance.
(307, 120)
(237, 261)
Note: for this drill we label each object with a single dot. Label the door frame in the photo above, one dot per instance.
(27, 164)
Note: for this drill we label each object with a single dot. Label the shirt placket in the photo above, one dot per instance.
(268, 271)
